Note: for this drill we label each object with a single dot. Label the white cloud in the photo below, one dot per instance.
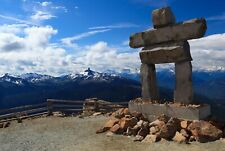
(26, 48)
(209, 52)
(41, 15)
(217, 18)
(122, 25)
(101, 57)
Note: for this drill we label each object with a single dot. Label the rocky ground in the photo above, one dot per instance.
(78, 134)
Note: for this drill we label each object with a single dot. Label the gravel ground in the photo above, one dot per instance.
(74, 134)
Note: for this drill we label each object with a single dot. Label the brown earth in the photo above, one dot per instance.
(75, 134)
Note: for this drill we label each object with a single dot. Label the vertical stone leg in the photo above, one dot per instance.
(183, 89)
(149, 82)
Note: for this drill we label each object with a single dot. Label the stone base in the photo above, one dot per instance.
(153, 110)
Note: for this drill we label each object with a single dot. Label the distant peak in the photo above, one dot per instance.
(89, 72)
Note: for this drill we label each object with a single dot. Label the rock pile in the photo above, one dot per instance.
(163, 128)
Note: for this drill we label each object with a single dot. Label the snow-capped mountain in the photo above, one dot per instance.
(37, 88)
(34, 77)
(33, 88)
(11, 79)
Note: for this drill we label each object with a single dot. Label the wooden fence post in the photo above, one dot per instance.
(50, 107)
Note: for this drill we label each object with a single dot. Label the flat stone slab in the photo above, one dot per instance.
(152, 111)
(187, 30)
(166, 53)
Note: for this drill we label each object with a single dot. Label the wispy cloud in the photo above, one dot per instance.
(17, 20)
(69, 40)
(217, 18)
(41, 15)
(122, 25)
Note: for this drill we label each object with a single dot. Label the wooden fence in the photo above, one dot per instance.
(23, 112)
(52, 105)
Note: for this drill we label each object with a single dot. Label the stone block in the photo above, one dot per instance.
(152, 111)
(183, 92)
(166, 53)
(187, 30)
(163, 17)
(149, 82)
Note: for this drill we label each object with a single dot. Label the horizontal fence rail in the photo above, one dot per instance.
(53, 105)
(23, 112)
(66, 106)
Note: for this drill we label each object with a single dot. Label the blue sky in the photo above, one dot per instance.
(65, 36)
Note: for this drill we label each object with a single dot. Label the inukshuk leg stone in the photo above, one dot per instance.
(183, 89)
(149, 82)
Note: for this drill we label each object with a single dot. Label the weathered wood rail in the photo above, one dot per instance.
(52, 105)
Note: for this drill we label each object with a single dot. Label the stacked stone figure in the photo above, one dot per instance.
(167, 43)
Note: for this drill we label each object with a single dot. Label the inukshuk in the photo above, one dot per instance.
(167, 43)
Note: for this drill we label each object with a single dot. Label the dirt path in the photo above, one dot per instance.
(74, 134)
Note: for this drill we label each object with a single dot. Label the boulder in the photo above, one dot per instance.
(184, 31)
(192, 139)
(204, 131)
(151, 139)
(116, 129)
(163, 118)
(166, 53)
(126, 111)
(132, 131)
(136, 114)
(154, 129)
(145, 125)
(169, 130)
(140, 123)
(184, 124)
(110, 124)
(127, 122)
(184, 133)
(163, 17)
(143, 132)
(119, 113)
(179, 138)
(157, 123)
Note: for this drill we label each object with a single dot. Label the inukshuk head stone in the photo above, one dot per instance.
(167, 43)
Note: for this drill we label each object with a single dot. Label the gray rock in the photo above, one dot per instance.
(183, 92)
(166, 53)
(149, 82)
(163, 17)
(187, 30)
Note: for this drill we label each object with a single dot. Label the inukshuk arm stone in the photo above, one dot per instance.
(166, 53)
(179, 32)
(149, 82)
(183, 92)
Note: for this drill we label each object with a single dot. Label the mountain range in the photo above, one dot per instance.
(32, 88)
